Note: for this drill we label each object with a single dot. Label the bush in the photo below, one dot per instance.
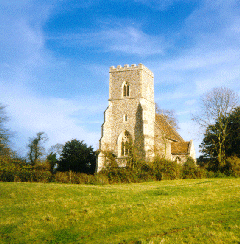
(201, 173)
(218, 174)
(115, 174)
(8, 168)
(166, 169)
(25, 175)
(62, 177)
(42, 176)
(79, 178)
(190, 170)
(233, 166)
(139, 173)
(144, 171)
(101, 179)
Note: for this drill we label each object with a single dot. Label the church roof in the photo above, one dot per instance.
(167, 129)
(180, 147)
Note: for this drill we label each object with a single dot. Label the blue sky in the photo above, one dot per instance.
(56, 54)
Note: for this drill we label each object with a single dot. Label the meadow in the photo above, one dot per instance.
(177, 211)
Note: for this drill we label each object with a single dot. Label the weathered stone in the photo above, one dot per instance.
(130, 117)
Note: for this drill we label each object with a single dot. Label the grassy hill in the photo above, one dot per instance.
(179, 211)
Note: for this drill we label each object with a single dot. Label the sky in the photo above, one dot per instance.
(55, 57)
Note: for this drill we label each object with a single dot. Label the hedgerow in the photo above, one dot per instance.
(15, 170)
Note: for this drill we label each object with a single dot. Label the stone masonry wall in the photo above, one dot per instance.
(134, 113)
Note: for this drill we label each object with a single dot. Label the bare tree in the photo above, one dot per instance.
(56, 149)
(215, 106)
(169, 116)
(168, 125)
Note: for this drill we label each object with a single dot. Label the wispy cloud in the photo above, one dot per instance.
(161, 5)
(62, 119)
(213, 56)
(128, 40)
(202, 53)
(24, 54)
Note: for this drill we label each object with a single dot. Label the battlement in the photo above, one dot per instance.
(126, 67)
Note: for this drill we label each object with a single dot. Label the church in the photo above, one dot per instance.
(131, 118)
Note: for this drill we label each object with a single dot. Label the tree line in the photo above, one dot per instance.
(74, 156)
(219, 118)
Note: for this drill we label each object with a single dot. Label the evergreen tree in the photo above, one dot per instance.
(233, 138)
(230, 146)
(78, 157)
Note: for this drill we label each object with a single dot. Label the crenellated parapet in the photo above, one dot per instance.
(130, 119)
(133, 67)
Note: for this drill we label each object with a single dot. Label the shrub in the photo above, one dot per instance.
(218, 174)
(201, 173)
(190, 169)
(210, 174)
(114, 174)
(233, 166)
(42, 166)
(166, 169)
(8, 168)
(79, 178)
(139, 173)
(62, 177)
(101, 179)
(42, 176)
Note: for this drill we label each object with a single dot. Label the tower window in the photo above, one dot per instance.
(125, 117)
(126, 90)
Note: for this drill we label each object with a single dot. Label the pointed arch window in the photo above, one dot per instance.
(126, 90)
(125, 144)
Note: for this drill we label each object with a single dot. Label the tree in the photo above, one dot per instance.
(213, 117)
(4, 132)
(52, 159)
(53, 156)
(56, 149)
(169, 116)
(166, 124)
(210, 145)
(78, 157)
(233, 138)
(36, 150)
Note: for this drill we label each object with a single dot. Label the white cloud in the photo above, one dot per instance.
(196, 58)
(191, 102)
(61, 119)
(162, 5)
(127, 40)
(23, 55)
(22, 40)
(209, 58)
(212, 58)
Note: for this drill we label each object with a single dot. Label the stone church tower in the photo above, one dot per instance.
(131, 119)
(130, 115)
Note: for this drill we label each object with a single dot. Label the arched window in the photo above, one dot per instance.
(126, 144)
(126, 90)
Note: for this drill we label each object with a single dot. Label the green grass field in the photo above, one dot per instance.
(179, 211)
